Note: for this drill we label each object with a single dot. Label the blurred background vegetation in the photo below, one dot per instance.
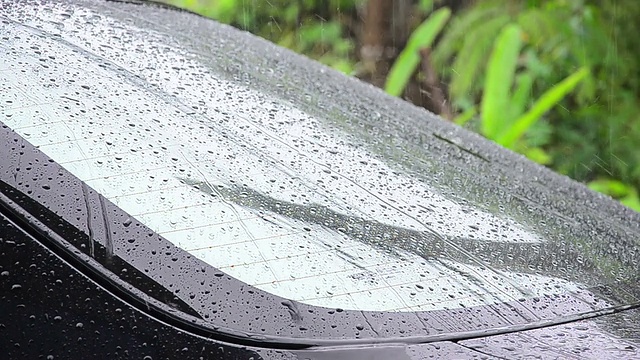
(555, 80)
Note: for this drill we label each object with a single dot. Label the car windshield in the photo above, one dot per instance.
(297, 191)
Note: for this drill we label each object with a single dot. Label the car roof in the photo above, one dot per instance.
(314, 190)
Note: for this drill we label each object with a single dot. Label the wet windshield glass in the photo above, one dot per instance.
(310, 203)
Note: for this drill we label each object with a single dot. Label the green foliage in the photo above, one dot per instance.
(409, 59)
(315, 28)
(502, 116)
(469, 62)
(544, 103)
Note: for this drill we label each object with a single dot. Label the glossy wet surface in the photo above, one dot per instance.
(335, 206)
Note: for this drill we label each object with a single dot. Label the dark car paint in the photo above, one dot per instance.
(53, 311)
(73, 212)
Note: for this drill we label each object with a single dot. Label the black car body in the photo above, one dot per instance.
(173, 188)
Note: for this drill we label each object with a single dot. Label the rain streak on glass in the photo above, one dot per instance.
(294, 203)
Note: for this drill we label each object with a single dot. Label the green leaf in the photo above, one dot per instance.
(631, 201)
(550, 98)
(500, 72)
(539, 25)
(425, 5)
(521, 96)
(611, 187)
(404, 67)
(291, 13)
(461, 27)
(465, 116)
(472, 57)
(538, 155)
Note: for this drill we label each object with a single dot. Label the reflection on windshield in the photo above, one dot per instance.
(291, 203)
